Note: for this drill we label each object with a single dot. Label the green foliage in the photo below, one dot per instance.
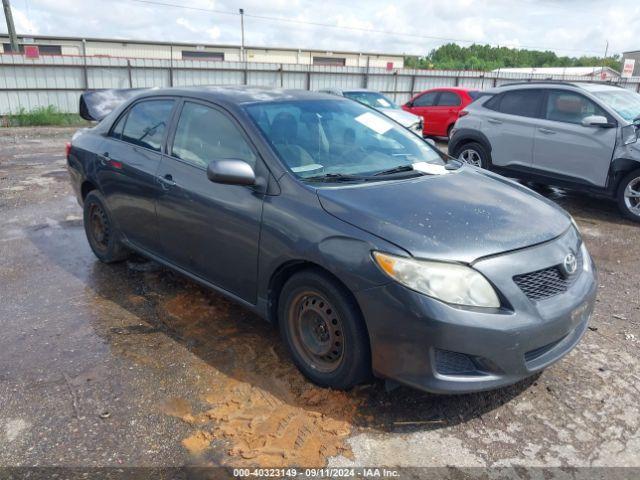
(485, 57)
(42, 116)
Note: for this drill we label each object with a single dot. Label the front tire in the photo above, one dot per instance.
(323, 329)
(629, 196)
(102, 234)
(473, 154)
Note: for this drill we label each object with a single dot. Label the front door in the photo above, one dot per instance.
(209, 229)
(128, 162)
(422, 106)
(564, 147)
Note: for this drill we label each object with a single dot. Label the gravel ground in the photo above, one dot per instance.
(131, 365)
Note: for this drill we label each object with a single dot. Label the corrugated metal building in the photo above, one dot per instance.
(634, 55)
(115, 48)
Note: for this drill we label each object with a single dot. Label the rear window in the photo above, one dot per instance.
(475, 94)
(146, 123)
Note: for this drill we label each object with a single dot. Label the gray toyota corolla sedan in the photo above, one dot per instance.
(372, 251)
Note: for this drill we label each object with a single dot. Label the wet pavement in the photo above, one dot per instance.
(132, 365)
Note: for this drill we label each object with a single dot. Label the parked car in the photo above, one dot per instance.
(369, 248)
(574, 135)
(439, 108)
(382, 104)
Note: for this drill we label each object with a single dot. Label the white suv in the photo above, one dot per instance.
(571, 135)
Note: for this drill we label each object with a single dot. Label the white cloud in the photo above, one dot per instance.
(570, 27)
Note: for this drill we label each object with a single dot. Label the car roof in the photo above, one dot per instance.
(451, 89)
(590, 87)
(239, 95)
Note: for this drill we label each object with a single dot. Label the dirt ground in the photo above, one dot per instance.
(132, 365)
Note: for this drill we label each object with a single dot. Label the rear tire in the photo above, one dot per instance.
(102, 234)
(324, 331)
(474, 154)
(628, 196)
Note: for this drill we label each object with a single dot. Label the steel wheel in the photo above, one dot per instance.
(471, 157)
(632, 196)
(317, 331)
(99, 227)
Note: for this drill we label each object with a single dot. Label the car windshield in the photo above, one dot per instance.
(373, 99)
(340, 139)
(624, 102)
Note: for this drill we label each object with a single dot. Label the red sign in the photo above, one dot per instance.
(389, 65)
(31, 51)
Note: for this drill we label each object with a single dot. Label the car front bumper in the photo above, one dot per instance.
(440, 348)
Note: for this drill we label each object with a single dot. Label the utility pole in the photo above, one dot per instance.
(13, 39)
(242, 56)
(604, 59)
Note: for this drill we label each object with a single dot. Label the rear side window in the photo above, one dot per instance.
(204, 134)
(569, 107)
(525, 103)
(426, 100)
(146, 123)
(116, 132)
(449, 99)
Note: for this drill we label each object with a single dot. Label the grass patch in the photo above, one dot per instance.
(42, 116)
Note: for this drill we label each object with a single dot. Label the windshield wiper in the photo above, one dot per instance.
(334, 177)
(398, 169)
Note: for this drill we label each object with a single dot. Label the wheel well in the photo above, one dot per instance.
(620, 169)
(284, 273)
(85, 188)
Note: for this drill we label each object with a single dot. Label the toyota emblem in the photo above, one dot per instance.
(570, 264)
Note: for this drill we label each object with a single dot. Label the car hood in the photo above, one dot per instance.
(405, 119)
(460, 216)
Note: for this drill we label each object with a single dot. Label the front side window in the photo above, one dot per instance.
(146, 123)
(449, 99)
(569, 107)
(524, 103)
(426, 100)
(337, 137)
(205, 134)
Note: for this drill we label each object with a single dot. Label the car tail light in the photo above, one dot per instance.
(463, 113)
(67, 149)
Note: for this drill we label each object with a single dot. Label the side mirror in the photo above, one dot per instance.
(409, 104)
(231, 172)
(596, 121)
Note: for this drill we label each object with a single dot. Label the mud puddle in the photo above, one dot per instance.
(258, 405)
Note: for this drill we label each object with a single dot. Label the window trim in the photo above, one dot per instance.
(127, 110)
(171, 134)
(545, 105)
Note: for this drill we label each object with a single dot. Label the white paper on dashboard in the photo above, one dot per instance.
(429, 168)
(374, 122)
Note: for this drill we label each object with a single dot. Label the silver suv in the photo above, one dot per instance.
(571, 135)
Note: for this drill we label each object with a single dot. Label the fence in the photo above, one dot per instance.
(59, 80)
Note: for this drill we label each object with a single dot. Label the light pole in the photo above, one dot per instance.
(241, 10)
(13, 38)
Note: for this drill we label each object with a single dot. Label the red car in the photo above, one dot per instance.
(439, 107)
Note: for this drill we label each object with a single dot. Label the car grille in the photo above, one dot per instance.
(547, 282)
(454, 363)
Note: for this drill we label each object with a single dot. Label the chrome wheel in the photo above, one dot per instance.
(632, 196)
(470, 156)
(317, 332)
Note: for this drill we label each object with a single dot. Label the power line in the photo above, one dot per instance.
(358, 29)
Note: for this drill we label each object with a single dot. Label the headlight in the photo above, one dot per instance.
(449, 282)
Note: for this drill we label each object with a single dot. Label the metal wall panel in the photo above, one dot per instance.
(58, 80)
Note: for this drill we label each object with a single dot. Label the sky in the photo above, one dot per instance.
(568, 27)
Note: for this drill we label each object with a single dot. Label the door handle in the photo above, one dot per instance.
(104, 159)
(546, 131)
(167, 181)
(495, 121)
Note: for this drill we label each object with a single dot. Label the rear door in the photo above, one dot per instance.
(444, 113)
(210, 229)
(422, 106)
(563, 147)
(127, 166)
(509, 122)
